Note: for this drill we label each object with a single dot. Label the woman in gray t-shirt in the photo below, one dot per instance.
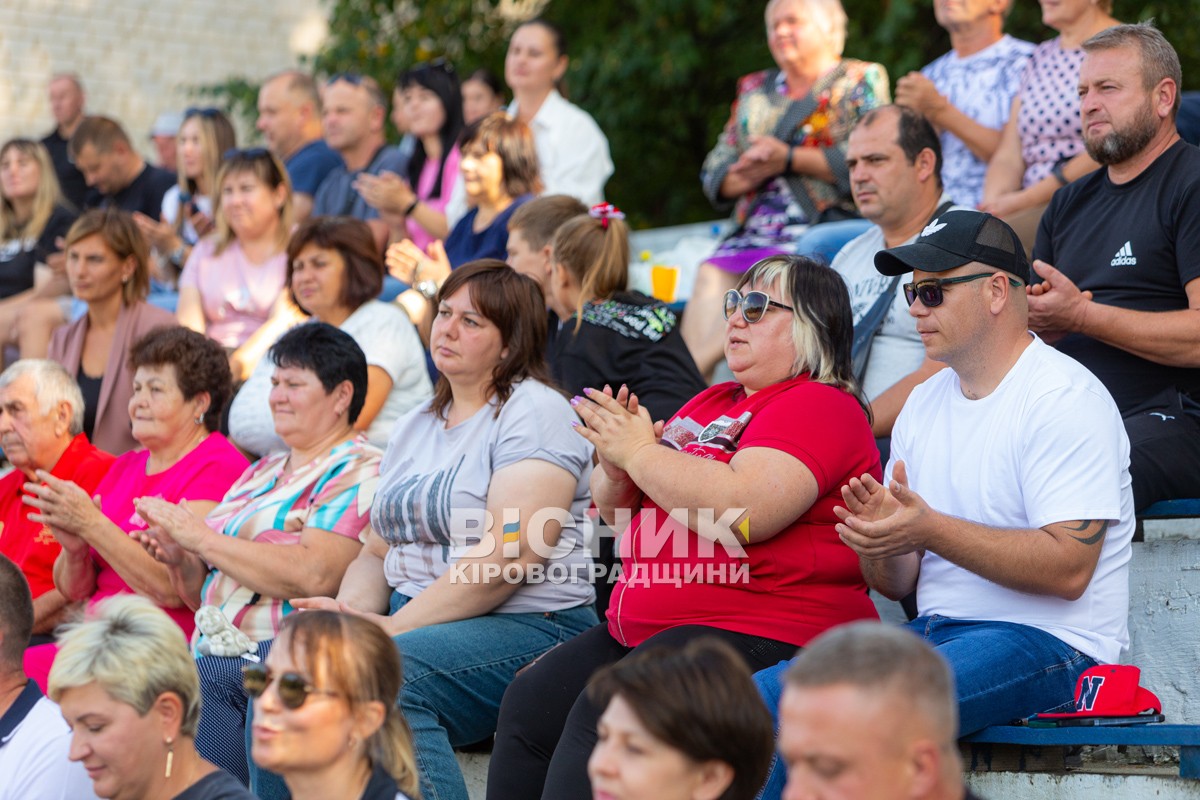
(480, 551)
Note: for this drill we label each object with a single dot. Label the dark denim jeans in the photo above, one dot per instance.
(1002, 671)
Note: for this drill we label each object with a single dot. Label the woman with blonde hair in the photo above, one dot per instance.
(33, 217)
(611, 335)
(234, 279)
(205, 135)
(325, 711)
(127, 686)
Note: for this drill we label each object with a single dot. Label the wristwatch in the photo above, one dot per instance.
(428, 289)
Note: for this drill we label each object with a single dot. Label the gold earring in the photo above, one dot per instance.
(170, 757)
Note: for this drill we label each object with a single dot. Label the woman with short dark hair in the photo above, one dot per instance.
(334, 275)
(680, 724)
(286, 528)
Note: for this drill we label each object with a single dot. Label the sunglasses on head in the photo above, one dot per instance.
(206, 113)
(931, 293)
(292, 688)
(352, 78)
(754, 305)
(248, 153)
(440, 64)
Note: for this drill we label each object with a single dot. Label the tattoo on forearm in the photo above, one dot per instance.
(1088, 531)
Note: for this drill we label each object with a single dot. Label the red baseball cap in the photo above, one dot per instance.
(1110, 691)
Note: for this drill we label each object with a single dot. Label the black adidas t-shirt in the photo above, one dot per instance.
(1134, 245)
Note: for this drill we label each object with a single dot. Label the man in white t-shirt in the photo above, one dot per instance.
(895, 161)
(34, 739)
(968, 92)
(1007, 502)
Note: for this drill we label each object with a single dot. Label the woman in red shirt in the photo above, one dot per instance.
(727, 516)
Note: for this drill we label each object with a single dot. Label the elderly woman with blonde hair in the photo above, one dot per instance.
(127, 686)
(780, 162)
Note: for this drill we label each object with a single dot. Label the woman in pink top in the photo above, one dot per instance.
(233, 281)
(180, 384)
(1041, 145)
(415, 207)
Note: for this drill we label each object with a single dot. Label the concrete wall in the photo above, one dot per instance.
(139, 58)
(1164, 622)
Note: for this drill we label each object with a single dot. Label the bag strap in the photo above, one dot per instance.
(868, 326)
(798, 111)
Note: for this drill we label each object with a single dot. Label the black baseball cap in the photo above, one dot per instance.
(954, 239)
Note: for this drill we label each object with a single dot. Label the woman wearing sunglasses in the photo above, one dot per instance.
(126, 684)
(757, 465)
(325, 713)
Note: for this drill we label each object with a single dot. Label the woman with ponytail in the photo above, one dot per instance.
(325, 714)
(610, 335)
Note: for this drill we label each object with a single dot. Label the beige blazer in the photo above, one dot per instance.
(112, 432)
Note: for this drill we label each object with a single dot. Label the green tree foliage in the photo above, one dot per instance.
(658, 75)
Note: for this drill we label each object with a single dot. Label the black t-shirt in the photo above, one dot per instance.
(144, 194)
(74, 187)
(1134, 245)
(19, 256)
(630, 339)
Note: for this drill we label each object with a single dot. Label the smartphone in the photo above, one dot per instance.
(1086, 722)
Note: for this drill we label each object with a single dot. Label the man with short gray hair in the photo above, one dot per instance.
(1116, 252)
(869, 713)
(41, 428)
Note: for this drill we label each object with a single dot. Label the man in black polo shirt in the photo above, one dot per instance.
(1117, 254)
(66, 104)
(117, 174)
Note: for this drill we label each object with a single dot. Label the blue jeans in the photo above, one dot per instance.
(455, 675)
(826, 240)
(1002, 671)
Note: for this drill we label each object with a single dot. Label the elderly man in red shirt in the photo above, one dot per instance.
(41, 427)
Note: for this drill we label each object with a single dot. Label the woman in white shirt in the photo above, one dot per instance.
(571, 147)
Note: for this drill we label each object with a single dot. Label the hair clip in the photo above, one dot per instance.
(604, 212)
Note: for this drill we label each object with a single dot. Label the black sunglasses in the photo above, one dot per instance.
(248, 153)
(352, 78)
(754, 305)
(440, 64)
(931, 293)
(293, 689)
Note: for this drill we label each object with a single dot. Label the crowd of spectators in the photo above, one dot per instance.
(405, 389)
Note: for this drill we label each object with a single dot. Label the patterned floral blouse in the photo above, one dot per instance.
(333, 493)
(839, 98)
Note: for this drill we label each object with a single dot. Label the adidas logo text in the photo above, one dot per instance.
(1124, 257)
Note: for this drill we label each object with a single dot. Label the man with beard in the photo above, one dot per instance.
(1116, 252)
